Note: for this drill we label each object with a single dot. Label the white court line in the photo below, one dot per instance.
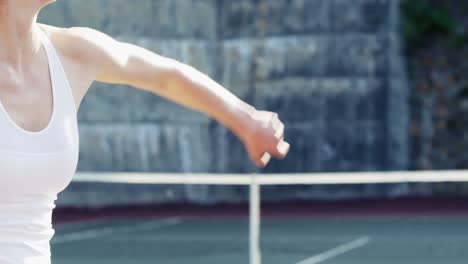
(339, 250)
(99, 232)
(82, 223)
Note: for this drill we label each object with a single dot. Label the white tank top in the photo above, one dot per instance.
(34, 168)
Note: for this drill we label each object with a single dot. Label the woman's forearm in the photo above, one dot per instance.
(261, 132)
(191, 88)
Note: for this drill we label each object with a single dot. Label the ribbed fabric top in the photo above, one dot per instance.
(34, 168)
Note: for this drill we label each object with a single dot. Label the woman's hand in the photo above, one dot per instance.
(264, 138)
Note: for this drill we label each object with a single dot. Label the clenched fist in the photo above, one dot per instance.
(264, 138)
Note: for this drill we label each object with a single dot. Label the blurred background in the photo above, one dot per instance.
(362, 85)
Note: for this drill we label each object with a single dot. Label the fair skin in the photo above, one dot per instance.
(88, 55)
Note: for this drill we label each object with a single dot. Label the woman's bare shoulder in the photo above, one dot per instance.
(74, 42)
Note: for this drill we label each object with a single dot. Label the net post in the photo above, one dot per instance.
(254, 222)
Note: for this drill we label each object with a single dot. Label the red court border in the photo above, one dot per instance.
(410, 206)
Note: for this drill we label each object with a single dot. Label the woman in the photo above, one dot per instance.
(45, 72)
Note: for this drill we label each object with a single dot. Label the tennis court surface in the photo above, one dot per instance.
(405, 230)
(327, 240)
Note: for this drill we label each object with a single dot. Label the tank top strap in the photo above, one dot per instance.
(57, 72)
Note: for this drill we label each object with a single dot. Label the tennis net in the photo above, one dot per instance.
(255, 182)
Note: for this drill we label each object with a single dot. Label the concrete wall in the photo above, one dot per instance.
(332, 69)
(327, 67)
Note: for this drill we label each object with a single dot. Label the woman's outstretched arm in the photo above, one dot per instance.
(116, 62)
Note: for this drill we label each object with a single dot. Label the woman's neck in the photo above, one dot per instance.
(19, 42)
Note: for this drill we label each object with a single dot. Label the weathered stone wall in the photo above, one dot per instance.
(327, 66)
(332, 69)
